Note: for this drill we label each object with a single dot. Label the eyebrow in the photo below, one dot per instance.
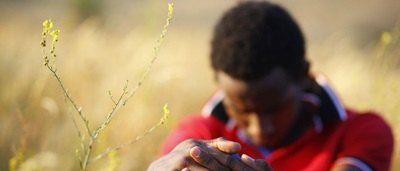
(276, 103)
(284, 98)
(229, 102)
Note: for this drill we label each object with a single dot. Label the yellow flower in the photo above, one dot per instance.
(167, 112)
(54, 34)
(386, 38)
(47, 25)
(170, 8)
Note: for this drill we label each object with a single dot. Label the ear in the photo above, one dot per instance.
(306, 66)
(312, 103)
(307, 78)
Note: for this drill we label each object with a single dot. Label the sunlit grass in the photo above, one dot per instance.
(34, 115)
(367, 79)
(88, 136)
(93, 61)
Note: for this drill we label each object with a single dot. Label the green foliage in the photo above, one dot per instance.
(16, 160)
(87, 8)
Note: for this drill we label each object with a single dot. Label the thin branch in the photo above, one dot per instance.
(74, 105)
(54, 33)
(51, 65)
(133, 91)
(137, 138)
(87, 154)
(112, 97)
(82, 146)
(81, 137)
(110, 115)
(155, 52)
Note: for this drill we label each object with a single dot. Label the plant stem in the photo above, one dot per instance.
(85, 161)
(79, 110)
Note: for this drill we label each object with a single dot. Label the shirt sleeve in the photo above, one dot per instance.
(369, 139)
(194, 127)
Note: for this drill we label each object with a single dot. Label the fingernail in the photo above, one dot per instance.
(196, 152)
(245, 156)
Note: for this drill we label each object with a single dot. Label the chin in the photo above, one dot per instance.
(270, 144)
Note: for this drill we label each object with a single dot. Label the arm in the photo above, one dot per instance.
(192, 145)
(350, 164)
(345, 167)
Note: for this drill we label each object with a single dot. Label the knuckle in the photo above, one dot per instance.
(206, 158)
(220, 139)
(234, 163)
(263, 165)
(190, 141)
(229, 160)
(187, 160)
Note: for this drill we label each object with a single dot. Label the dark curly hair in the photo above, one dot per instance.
(253, 38)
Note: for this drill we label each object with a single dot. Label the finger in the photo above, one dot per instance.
(194, 167)
(258, 165)
(263, 165)
(233, 162)
(225, 145)
(205, 159)
(191, 165)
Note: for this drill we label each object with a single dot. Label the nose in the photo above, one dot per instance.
(260, 126)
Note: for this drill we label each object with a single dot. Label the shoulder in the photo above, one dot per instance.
(367, 137)
(368, 122)
(368, 129)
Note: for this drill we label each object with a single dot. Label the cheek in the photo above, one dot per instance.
(284, 118)
(240, 119)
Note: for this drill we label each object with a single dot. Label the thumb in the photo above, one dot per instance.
(258, 165)
(225, 145)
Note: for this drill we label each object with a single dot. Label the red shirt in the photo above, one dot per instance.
(360, 139)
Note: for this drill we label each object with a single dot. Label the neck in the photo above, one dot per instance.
(302, 124)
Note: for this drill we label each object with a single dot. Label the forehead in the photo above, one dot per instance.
(273, 85)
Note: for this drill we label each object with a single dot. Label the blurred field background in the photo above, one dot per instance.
(104, 43)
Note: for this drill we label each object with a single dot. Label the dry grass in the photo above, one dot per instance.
(99, 55)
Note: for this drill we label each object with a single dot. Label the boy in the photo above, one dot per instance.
(270, 109)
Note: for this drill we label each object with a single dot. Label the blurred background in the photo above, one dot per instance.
(104, 43)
